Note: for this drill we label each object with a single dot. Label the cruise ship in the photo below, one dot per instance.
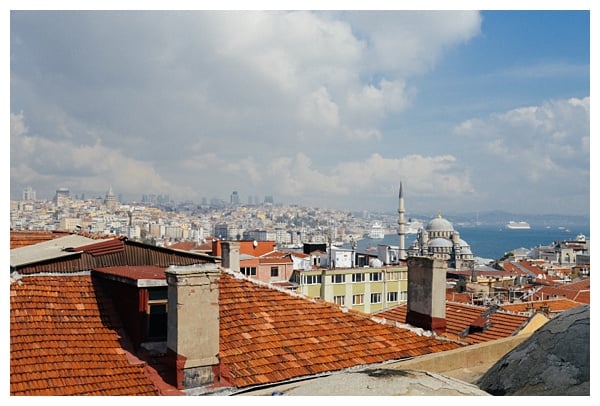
(518, 225)
(413, 226)
(377, 232)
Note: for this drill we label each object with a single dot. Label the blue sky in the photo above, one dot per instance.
(472, 111)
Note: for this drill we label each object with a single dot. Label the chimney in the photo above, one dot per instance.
(427, 293)
(193, 324)
(230, 258)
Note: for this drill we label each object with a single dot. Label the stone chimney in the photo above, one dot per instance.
(230, 257)
(193, 324)
(427, 293)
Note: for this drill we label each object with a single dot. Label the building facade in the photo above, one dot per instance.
(363, 289)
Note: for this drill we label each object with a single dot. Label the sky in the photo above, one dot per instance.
(470, 110)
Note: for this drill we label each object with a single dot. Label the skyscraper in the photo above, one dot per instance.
(28, 193)
(235, 198)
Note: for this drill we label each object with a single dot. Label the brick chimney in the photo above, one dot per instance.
(230, 258)
(427, 293)
(193, 324)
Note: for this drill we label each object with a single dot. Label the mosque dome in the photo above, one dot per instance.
(465, 248)
(440, 243)
(439, 224)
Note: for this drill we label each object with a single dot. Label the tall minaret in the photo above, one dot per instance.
(402, 224)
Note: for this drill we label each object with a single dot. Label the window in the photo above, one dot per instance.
(339, 300)
(339, 278)
(375, 276)
(312, 279)
(358, 299)
(274, 271)
(248, 271)
(403, 296)
(392, 276)
(375, 297)
(156, 314)
(392, 296)
(358, 277)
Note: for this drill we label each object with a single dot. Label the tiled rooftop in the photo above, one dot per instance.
(270, 336)
(134, 272)
(20, 238)
(459, 316)
(62, 343)
(553, 306)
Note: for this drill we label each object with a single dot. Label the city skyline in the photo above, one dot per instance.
(488, 111)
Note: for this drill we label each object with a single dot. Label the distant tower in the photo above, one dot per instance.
(402, 224)
(109, 200)
(28, 193)
(235, 198)
(62, 196)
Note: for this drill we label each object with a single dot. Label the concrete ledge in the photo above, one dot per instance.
(469, 362)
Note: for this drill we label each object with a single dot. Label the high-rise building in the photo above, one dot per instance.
(62, 196)
(28, 193)
(235, 198)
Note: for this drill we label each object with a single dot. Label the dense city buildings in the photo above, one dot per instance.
(227, 298)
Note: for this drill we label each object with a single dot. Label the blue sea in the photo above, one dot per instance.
(493, 241)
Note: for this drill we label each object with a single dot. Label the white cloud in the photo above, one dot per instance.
(298, 104)
(46, 165)
(534, 148)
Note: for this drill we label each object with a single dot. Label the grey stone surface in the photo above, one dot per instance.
(554, 361)
(378, 382)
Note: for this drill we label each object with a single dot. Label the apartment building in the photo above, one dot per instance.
(363, 289)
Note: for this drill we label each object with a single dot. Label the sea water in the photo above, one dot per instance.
(492, 242)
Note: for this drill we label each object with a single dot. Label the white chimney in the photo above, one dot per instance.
(230, 255)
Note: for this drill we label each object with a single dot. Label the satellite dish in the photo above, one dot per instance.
(255, 243)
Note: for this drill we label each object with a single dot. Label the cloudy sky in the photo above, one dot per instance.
(472, 111)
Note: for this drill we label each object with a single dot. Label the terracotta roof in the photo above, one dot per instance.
(19, 238)
(453, 296)
(512, 268)
(555, 305)
(24, 238)
(48, 250)
(112, 246)
(62, 343)
(134, 272)
(269, 336)
(577, 291)
(186, 246)
(460, 317)
(275, 257)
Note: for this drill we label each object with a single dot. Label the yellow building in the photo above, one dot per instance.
(364, 289)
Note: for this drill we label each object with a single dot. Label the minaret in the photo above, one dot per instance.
(402, 224)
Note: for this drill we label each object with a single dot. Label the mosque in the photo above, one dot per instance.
(438, 239)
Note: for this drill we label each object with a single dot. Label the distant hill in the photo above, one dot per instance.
(500, 218)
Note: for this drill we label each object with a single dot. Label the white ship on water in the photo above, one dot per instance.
(518, 225)
(377, 232)
(413, 226)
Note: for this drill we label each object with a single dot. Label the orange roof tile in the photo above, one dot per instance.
(134, 272)
(460, 316)
(554, 305)
(268, 335)
(61, 343)
(25, 238)
(19, 238)
(578, 293)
